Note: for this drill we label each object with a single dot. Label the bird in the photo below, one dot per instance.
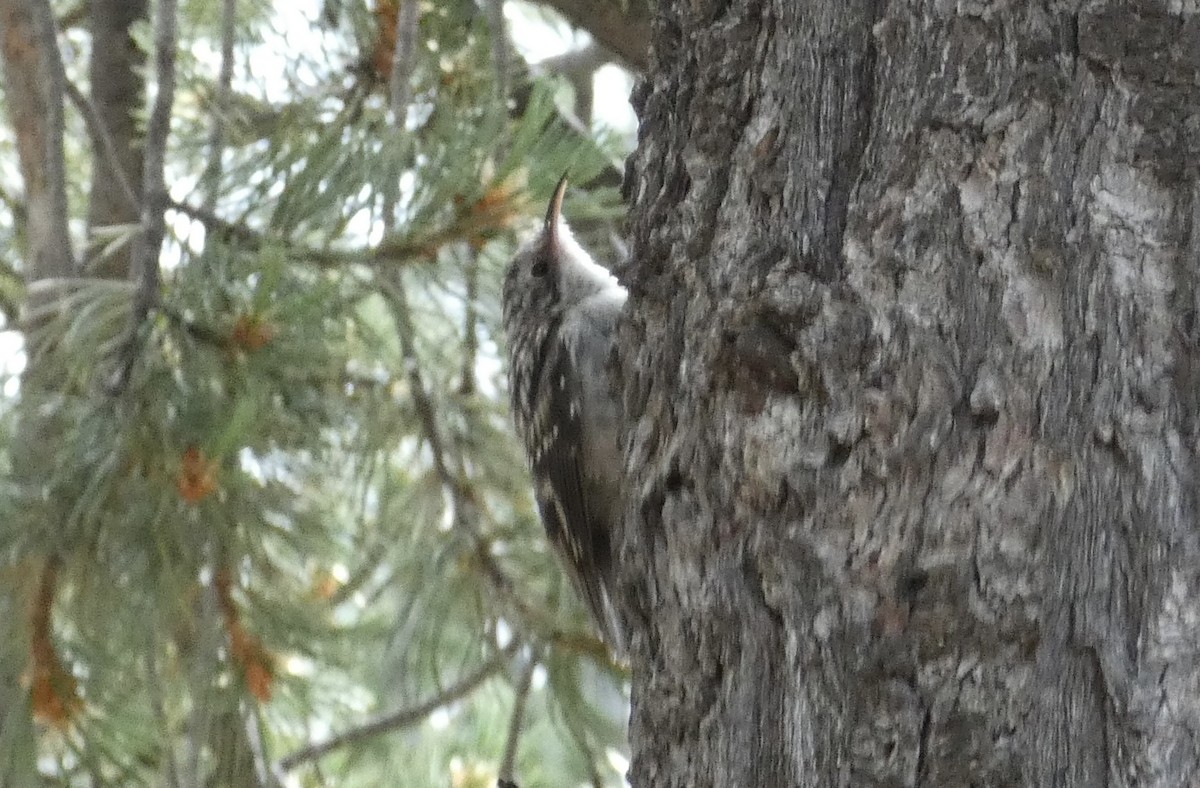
(560, 314)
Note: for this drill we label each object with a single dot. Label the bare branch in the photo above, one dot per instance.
(402, 58)
(104, 144)
(579, 68)
(148, 244)
(495, 9)
(623, 28)
(73, 16)
(584, 60)
(155, 686)
(390, 251)
(404, 718)
(153, 225)
(464, 510)
(210, 180)
(466, 383)
(509, 760)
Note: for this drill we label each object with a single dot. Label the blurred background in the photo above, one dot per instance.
(284, 535)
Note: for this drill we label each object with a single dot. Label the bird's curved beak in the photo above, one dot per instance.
(554, 209)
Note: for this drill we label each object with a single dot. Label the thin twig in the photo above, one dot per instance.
(589, 757)
(212, 222)
(402, 57)
(402, 315)
(210, 180)
(160, 713)
(508, 762)
(267, 775)
(391, 251)
(220, 341)
(464, 511)
(203, 656)
(148, 244)
(495, 9)
(403, 718)
(466, 385)
(103, 142)
(157, 131)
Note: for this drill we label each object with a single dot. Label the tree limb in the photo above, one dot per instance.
(148, 244)
(584, 60)
(402, 718)
(154, 686)
(402, 58)
(464, 509)
(210, 181)
(626, 32)
(499, 31)
(104, 145)
(466, 384)
(153, 224)
(389, 251)
(509, 760)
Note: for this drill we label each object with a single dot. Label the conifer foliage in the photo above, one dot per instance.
(263, 521)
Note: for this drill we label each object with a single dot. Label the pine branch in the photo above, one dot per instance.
(148, 244)
(589, 757)
(155, 687)
(266, 775)
(211, 178)
(403, 718)
(402, 58)
(464, 511)
(220, 340)
(102, 141)
(623, 28)
(466, 385)
(495, 9)
(509, 760)
(389, 251)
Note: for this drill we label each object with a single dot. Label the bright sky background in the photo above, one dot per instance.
(537, 35)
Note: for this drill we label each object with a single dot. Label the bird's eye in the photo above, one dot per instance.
(540, 267)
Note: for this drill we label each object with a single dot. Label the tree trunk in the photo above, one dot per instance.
(912, 356)
(33, 91)
(118, 88)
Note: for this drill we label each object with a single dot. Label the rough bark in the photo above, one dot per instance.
(117, 72)
(912, 351)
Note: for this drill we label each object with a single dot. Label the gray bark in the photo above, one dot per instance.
(912, 357)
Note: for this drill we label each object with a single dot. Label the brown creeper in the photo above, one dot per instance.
(560, 312)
